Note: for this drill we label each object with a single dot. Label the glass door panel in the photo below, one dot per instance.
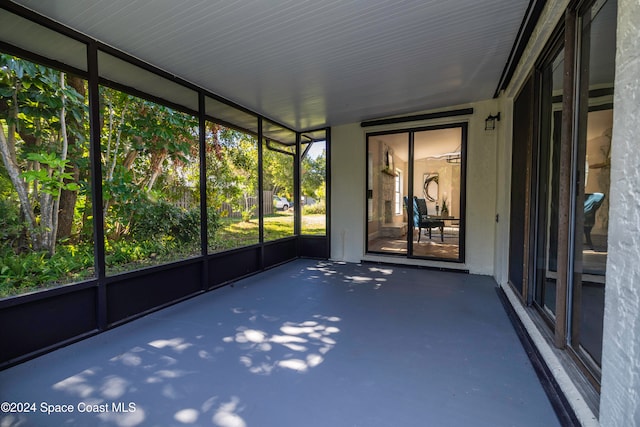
(548, 170)
(591, 212)
(387, 169)
(437, 191)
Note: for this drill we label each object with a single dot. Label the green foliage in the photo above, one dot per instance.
(313, 178)
(278, 172)
(123, 254)
(150, 180)
(278, 226)
(37, 270)
(315, 209)
(232, 167)
(162, 220)
(35, 91)
(50, 179)
(247, 214)
(11, 226)
(35, 102)
(233, 233)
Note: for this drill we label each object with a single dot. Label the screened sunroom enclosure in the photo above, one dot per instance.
(128, 189)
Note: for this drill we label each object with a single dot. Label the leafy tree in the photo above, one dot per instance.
(278, 170)
(41, 116)
(314, 175)
(148, 149)
(232, 166)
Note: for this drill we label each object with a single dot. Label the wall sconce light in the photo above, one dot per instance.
(490, 122)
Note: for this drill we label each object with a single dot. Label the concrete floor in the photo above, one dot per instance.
(305, 344)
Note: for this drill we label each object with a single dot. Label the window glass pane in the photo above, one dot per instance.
(46, 230)
(388, 155)
(278, 155)
(593, 174)
(313, 183)
(232, 188)
(150, 168)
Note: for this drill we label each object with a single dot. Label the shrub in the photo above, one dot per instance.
(315, 209)
(157, 220)
(30, 271)
(11, 227)
(213, 224)
(247, 214)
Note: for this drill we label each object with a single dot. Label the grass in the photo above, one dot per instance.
(235, 233)
(34, 271)
(278, 225)
(314, 224)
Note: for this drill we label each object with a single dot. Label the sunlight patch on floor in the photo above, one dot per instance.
(298, 346)
(226, 415)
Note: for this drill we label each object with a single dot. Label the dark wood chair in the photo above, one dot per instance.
(421, 218)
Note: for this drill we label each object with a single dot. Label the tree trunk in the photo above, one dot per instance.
(67, 207)
(157, 158)
(68, 198)
(47, 225)
(7, 149)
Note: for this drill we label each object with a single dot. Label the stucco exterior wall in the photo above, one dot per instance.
(348, 169)
(348, 151)
(620, 395)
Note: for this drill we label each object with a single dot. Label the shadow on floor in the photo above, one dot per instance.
(305, 344)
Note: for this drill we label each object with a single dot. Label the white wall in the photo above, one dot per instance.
(348, 164)
(348, 209)
(503, 192)
(620, 396)
(481, 189)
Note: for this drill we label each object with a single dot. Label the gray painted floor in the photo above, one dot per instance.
(302, 345)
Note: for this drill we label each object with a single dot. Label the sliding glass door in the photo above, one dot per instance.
(564, 200)
(387, 186)
(592, 178)
(548, 183)
(415, 193)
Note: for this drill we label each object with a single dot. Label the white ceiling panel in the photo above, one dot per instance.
(313, 63)
(42, 40)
